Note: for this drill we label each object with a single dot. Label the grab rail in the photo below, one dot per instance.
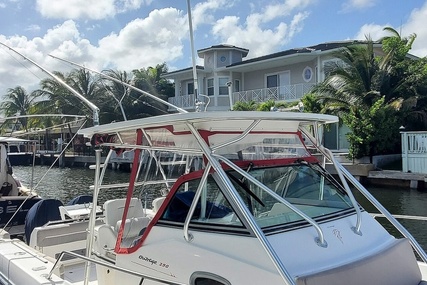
(356, 229)
(320, 240)
(103, 263)
(259, 234)
(417, 247)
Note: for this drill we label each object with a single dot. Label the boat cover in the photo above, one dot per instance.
(40, 213)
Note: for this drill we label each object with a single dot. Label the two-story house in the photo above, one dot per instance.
(226, 78)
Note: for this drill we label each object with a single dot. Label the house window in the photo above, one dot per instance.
(210, 87)
(307, 74)
(279, 79)
(223, 87)
(190, 88)
(272, 81)
(236, 85)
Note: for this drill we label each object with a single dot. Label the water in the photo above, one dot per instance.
(67, 183)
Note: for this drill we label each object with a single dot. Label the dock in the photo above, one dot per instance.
(366, 173)
(395, 177)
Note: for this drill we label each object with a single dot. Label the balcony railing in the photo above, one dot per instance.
(184, 101)
(290, 93)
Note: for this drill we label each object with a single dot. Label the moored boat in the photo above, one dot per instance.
(220, 198)
(15, 198)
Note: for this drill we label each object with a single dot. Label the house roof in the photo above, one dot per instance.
(303, 50)
(182, 71)
(309, 52)
(201, 52)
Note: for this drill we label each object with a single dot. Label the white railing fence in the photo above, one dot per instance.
(290, 93)
(414, 152)
(183, 101)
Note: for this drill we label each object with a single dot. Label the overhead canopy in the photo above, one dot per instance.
(12, 140)
(217, 121)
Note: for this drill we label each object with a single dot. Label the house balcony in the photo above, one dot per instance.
(288, 93)
(184, 101)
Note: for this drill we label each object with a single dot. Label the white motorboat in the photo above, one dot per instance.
(15, 198)
(17, 150)
(218, 198)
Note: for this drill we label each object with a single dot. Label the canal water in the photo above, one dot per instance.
(66, 183)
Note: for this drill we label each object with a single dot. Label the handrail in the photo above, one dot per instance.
(259, 234)
(103, 263)
(327, 152)
(320, 240)
(188, 237)
(356, 229)
(238, 138)
(403, 217)
(417, 247)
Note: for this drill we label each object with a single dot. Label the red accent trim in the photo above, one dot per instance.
(193, 175)
(118, 248)
(198, 174)
(162, 208)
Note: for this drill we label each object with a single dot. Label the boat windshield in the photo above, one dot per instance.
(303, 185)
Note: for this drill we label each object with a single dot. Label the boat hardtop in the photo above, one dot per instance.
(218, 198)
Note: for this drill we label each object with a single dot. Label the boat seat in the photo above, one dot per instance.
(113, 210)
(107, 235)
(133, 229)
(394, 265)
(157, 203)
(58, 234)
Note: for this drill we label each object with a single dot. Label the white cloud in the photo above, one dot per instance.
(252, 34)
(141, 43)
(376, 32)
(203, 13)
(76, 9)
(414, 25)
(86, 9)
(357, 5)
(145, 42)
(33, 28)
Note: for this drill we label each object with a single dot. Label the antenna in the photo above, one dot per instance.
(193, 59)
(92, 106)
(193, 55)
(124, 83)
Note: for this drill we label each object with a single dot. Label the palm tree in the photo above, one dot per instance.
(358, 90)
(119, 92)
(150, 80)
(18, 102)
(62, 101)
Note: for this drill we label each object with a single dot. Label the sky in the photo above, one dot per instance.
(133, 34)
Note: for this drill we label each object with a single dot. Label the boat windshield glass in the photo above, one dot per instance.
(304, 186)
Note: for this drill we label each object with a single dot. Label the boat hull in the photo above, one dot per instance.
(10, 205)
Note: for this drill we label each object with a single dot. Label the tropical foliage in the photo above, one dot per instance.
(17, 102)
(374, 94)
(115, 100)
(269, 105)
